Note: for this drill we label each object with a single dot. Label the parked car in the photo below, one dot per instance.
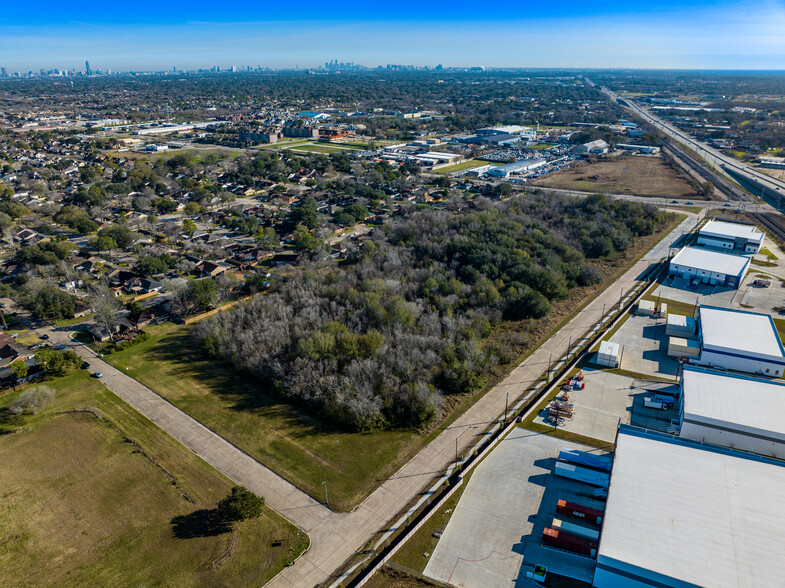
(44, 336)
(98, 375)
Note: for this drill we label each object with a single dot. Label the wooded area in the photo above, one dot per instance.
(379, 340)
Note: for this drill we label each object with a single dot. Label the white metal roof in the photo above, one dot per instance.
(731, 230)
(744, 331)
(680, 320)
(609, 348)
(759, 404)
(710, 261)
(708, 517)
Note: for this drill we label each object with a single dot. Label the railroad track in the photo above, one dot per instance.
(772, 226)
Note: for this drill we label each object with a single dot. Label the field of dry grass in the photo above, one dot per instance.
(113, 501)
(642, 176)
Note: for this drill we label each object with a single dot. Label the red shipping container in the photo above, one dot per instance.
(578, 511)
(569, 542)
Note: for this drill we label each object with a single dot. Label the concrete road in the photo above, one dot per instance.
(715, 157)
(334, 536)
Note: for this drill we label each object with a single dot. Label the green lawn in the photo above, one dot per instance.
(72, 321)
(320, 148)
(300, 447)
(471, 164)
(114, 501)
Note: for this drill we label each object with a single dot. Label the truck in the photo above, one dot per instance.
(578, 511)
(600, 462)
(569, 542)
(573, 529)
(585, 475)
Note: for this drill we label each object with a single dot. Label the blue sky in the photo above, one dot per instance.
(159, 35)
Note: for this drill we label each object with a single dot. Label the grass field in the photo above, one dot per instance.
(300, 447)
(113, 501)
(314, 148)
(471, 164)
(643, 176)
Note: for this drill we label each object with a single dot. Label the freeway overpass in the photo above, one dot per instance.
(755, 180)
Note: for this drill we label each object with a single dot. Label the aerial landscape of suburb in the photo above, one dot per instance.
(413, 296)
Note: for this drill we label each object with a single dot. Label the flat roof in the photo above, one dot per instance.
(680, 320)
(735, 329)
(704, 515)
(711, 261)
(724, 229)
(751, 402)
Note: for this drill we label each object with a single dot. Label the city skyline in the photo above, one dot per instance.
(663, 34)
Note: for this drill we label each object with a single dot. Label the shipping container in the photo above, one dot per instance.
(578, 511)
(585, 475)
(573, 529)
(568, 542)
(601, 462)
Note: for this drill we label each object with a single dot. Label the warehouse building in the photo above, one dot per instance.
(739, 341)
(733, 411)
(598, 146)
(709, 267)
(684, 514)
(517, 168)
(731, 236)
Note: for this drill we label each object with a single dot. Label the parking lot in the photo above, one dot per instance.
(493, 537)
(644, 347)
(609, 398)
(749, 296)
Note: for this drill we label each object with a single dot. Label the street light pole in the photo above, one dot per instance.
(326, 501)
(506, 404)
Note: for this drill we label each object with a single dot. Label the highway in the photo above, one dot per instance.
(714, 157)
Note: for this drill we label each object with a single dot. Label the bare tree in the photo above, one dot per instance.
(104, 306)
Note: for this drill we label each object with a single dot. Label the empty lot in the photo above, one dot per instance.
(642, 176)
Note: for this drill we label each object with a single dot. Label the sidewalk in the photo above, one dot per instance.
(337, 536)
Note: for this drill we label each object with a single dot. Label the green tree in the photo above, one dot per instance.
(18, 370)
(121, 234)
(192, 208)
(305, 212)
(204, 293)
(240, 505)
(105, 243)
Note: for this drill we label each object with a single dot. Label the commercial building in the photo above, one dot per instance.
(739, 341)
(517, 168)
(731, 236)
(733, 411)
(773, 162)
(709, 267)
(683, 514)
(503, 130)
(598, 146)
(647, 149)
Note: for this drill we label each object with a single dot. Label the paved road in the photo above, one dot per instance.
(336, 536)
(714, 156)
